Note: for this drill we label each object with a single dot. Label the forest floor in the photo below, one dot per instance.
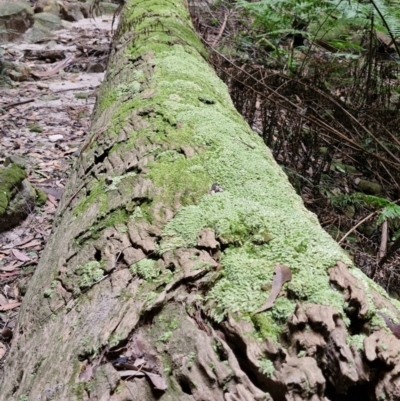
(44, 119)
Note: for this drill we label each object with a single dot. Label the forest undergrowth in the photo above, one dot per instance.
(320, 83)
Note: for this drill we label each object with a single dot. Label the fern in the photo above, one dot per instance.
(390, 212)
(388, 209)
(331, 20)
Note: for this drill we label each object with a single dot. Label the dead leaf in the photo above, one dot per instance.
(125, 373)
(52, 199)
(20, 256)
(139, 362)
(3, 351)
(158, 381)
(4, 275)
(282, 274)
(32, 243)
(10, 267)
(3, 300)
(9, 306)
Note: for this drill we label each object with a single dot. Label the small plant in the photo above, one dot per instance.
(266, 367)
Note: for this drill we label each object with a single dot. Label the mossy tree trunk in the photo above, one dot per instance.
(171, 225)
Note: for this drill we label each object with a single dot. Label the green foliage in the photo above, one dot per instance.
(388, 209)
(336, 22)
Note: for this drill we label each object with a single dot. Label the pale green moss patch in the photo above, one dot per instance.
(266, 367)
(146, 269)
(10, 177)
(180, 176)
(89, 273)
(357, 341)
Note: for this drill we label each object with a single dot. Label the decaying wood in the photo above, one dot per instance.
(124, 304)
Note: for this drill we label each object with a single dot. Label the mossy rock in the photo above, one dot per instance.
(17, 196)
(49, 21)
(15, 18)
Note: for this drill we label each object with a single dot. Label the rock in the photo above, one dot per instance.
(108, 8)
(15, 71)
(66, 25)
(15, 19)
(37, 33)
(14, 159)
(17, 196)
(55, 138)
(96, 67)
(48, 21)
(47, 6)
(72, 11)
(369, 187)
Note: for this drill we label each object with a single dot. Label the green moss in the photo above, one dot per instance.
(97, 196)
(258, 217)
(266, 367)
(35, 128)
(89, 273)
(41, 197)
(10, 177)
(178, 175)
(357, 341)
(266, 326)
(146, 269)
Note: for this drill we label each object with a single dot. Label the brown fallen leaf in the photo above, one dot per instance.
(9, 306)
(157, 380)
(3, 351)
(20, 256)
(9, 267)
(32, 243)
(282, 274)
(3, 300)
(4, 275)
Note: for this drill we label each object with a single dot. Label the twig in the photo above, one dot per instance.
(6, 106)
(221, 31)
(357, 225)
(384, 238)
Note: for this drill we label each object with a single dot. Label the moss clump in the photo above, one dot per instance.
(357, 341)
(35, 128)
(266, 367)
(10, 177)
(147, 269)
(186, 177)
(41, 197)
(96, 196)
(89, 274)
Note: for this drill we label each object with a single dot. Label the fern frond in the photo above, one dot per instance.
(391, 212)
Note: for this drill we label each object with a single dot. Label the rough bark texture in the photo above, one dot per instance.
(171, 225)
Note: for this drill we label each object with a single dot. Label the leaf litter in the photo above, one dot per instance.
(45, 121)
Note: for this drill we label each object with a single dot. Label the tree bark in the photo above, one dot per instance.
(173, 221)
